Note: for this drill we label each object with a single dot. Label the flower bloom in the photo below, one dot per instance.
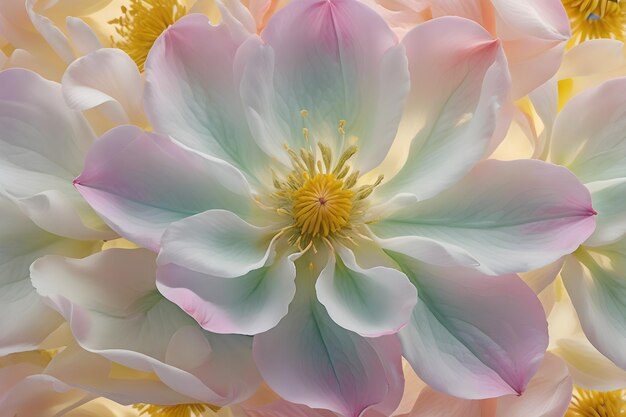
(308, 185)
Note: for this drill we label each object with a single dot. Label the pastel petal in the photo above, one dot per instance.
(40, 395)
(589, 134)
(548, 395)
(533, 34)
(141, 182)
(50, 32)
(369, 301)
(191, 94)
(327, 366)
(446, 113)
(589, 368)
(114, 309)
(42, 147)
(249, 304)
(594, 281)
(592, 57)
(539, 279)
(338, 61)
(25, 320)
(82, 35)
(217, 243)
(507, 221)
(471, 335)
(108, 78)
(609, 200)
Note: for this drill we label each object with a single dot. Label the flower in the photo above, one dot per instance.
(266, 190)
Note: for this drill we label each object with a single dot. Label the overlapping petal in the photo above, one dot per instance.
(471, 335)
(369, 301)
(42, 146)
(218, 243)
(191, 93)
(108, 78)
(548, 395)
(113, 307)
(343, 65)
(508, 222)
(141, 182)
(589, 134)
(24, 320)
(249, 304)
(594, 280)
(458, 86)
(327, 366)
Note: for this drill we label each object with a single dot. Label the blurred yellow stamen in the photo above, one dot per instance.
(141, 23)
(595, 19)
(586, 403)
(179, 410)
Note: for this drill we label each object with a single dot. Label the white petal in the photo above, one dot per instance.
(369, 301)
(107, 78)
(218, 243)
(114, 309)
(24, 320)
(446, 114)
(594, 281)
(506, 221)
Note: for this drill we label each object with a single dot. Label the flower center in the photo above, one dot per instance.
(322, 205)
(320, 195)
(594, 19)
(586, 403)
(140, 25)
(178, 410)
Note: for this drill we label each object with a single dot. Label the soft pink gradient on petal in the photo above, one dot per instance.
(472, 335)
(113, 307)
(459, 85)
(369, 301)
(511, 216)
(338, 60)
(326, 366)
(140, 182)
(191, 93)
(249, 304)
(548, 395)
(42, 146)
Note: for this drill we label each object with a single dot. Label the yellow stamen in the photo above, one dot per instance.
(322, 205)
(140, 25)
(178, 410)
(586, 403)
(595, 19)
(320, 196)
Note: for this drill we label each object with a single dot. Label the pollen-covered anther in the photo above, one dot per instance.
(141, 23)
(322, 205)
(321, 195)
